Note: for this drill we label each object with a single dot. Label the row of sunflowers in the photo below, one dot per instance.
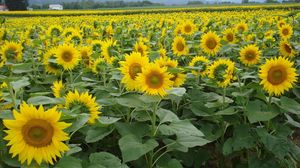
(183, 89)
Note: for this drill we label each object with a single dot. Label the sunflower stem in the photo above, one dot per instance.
(223, 100)
(154, 119)
(71, 79)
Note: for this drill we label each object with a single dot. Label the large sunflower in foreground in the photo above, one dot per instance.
(86, 102)
(286, 49)
(222, 71)
(36, 134)
(154, 80)
(286, 31)
(201, 63)
(12, 51)
(210, 43)
(67, 56)
(277, 75)
(131, 67)
(179, 46)
(250, 55)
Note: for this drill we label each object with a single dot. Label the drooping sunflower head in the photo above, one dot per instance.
(97, 45)
(222, 71)
(179, 46)
(54, 30)
(86, 102)
(154, 80)
(69, 31)
(141, 48)
(210, 43)
(286, 49)
(229, 35)
(67, 56)
(201, 64)
(50, 63)
(75, 38)
(12, 51)
(58, 89)
(242, 27)
(277, 75)
(86, 53)
(286, 31)
(98, 65)
(109, 50)
(188, 27)
(131, 68)
(250, 55)
(36, 134)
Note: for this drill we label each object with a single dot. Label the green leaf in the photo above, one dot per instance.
(16, 85)
(289, 105)
(259, 111)
(42, 100)
(106, 160)
(137, 129)
(228, 111)
(79, 122)
(191, 141)
(177, 91)
(7, 114)
(69, 161)
(166, 115)
(97, 133)
(74, 148)
(291, 121)
(131, 100)
(106, 120)
(133, 148)
(22, 68)
(182, 127)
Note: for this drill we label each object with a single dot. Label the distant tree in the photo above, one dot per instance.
(245, 1)
(271, 1)
(194, 2)
(16, 5)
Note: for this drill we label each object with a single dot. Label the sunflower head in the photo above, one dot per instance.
(188, 28)
(131, 68)
(162, 52)
(54, 30)
(250, 55)
(98, 65)
(86, 53)
(11, 51)
(286, 49)
(222, 71)
(75, 38)
(141, 48)
(277, 75)
(50, 63)
(67, 56)
(229, 35)
(154, 80)
(286, 31)
(241, 27)
(201, 63)
(109, 50)
(58, 89)
(36, 134)
(210, 43)
(179, 46)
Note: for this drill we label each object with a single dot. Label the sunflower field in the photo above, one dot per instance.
(164, 88)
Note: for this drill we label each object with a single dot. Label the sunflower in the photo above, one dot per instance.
(11, 51)
(2, 60)
(210, 43)
(229, 35)
(98, 65)
(69, 31)
(131, 67)
(67, 56)
(36, 134)
(86, 102)
(49, 62)
(141, 48)
(97, 45)
(241, 27)
(286, 31)
(221, 71)
(54, 31)
(154, 80)
(162, 52)
(280, 23)
(277, 75)
(58, 89)
(86, 53)
(201, 63)
(188, 28)
(179, 46)
(108, 50)
(250, 55)
(75, 38)
(177, 78)
(178, 30)
(286, 49)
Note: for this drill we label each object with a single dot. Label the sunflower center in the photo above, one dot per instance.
(250, 55)
(37, 133)
(277, 75)
(180, 46)
(140, 50)
(55, 32)
(281, 24)
(287, 48)
(134, 69)
(67, 56)
(211, 43)
(241, 28)
(187, 28)
(154, 80)
(229, 37)
(285, 32)
(174, 77)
